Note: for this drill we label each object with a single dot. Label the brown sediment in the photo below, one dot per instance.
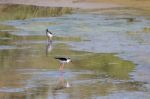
(85, 4)
(142, 4)
(62, 3)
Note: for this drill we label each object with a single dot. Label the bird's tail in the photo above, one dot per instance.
(56, 57)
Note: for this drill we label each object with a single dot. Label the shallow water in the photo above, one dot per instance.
(110, 54)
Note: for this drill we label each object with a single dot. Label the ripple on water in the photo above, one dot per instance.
(11, 90)
(111, 35)
(2, 47)
(125, 95)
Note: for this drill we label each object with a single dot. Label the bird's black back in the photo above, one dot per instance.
(61, 58)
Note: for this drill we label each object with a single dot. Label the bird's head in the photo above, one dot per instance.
(69, 60)
(46, 30)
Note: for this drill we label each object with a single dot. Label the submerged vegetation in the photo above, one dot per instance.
(6, 27)
(17, 12)
(30, 58)
(107, 63)
(146, 30)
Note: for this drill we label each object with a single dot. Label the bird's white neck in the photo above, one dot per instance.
(68, 60)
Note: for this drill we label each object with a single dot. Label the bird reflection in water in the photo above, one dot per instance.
(61, 83)
(49, 47)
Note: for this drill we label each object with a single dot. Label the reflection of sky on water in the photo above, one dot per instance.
(44, 80)
(2, 47)
(106, 33)
(125, 95)
(102, 34)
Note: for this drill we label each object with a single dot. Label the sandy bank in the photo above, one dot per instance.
(84, 4)
(128, 3)
(62, 3)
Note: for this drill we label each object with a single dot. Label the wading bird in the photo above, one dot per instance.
(62, 61)
(49, 35)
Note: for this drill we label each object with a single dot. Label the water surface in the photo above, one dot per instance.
(110, 54)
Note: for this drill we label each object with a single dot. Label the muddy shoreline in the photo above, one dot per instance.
(84, 4)
(62, 3)
(121, 31)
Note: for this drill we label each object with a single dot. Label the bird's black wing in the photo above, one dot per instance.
(61, 58)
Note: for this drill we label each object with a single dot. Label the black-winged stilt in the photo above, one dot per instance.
(63, 60)
(49, 35)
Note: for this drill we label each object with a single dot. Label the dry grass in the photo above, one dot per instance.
(17, 12)
(143, 4)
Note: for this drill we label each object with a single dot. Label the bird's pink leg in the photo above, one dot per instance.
(61, 67)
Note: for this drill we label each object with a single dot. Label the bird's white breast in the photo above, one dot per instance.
(50, 35)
